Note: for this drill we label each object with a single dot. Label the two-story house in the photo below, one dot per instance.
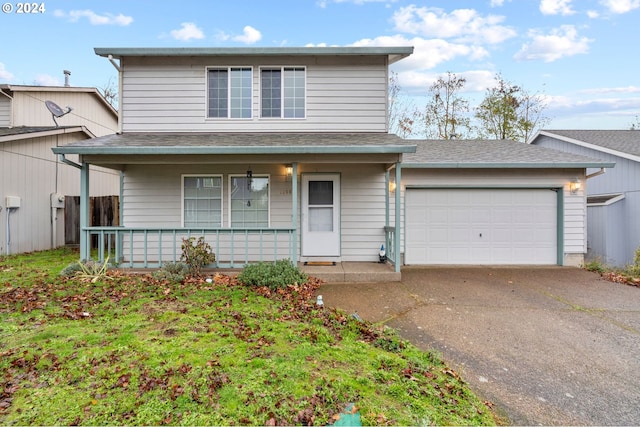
(33, 181)
(285, 153)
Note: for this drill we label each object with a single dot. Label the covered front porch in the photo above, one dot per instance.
(153, 201)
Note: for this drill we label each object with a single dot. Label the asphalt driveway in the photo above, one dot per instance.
(546, 345)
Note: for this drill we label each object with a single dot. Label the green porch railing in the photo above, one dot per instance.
(390, 244)
(151, 247)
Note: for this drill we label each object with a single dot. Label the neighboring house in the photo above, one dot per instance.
(33, 180)
(613, 195)
(285, 153)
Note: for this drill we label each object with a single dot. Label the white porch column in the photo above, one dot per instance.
(294, 209)
(398, 222)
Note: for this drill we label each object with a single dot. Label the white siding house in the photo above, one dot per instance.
(25, 106)
(285, 153)
(31, 175)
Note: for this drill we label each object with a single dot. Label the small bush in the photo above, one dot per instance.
(279, 274)
(635, 268)
(71, 269)
(196, 254)
(87, 270)
(172, 272)
(595, 266)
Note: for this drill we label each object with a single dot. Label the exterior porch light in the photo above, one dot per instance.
(392, 186)
(575, 185)
(288, 170)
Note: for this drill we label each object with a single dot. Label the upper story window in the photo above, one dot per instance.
(283, 92)
(229, 92)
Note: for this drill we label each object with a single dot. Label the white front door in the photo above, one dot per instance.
(321, 215)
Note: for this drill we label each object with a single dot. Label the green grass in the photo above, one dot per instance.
(138, 351)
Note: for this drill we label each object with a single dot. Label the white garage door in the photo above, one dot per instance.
(481, 226)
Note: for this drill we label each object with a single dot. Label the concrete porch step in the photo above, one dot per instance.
(351, 272)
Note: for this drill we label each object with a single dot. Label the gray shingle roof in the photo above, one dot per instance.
(239, 143)
(21, 130)
(491, 154)
(25, 132)
(623, 141)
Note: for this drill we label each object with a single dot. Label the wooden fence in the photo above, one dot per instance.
(103, 212)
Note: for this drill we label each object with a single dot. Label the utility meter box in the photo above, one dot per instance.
(12, 202)
(57, 200)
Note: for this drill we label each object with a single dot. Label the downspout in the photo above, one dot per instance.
(8, 233)
(66, 161)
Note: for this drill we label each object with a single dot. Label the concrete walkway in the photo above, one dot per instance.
(546, 345)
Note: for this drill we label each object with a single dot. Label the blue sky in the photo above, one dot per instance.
(582, 55)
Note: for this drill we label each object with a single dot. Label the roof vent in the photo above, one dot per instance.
(67, 74)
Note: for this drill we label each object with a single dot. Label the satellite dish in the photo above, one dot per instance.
(56, 111)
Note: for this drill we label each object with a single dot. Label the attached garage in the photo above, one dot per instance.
(481, 226)
(481, 202)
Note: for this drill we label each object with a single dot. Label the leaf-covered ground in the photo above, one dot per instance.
(133, 350)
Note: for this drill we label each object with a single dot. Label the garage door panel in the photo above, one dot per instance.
(481, 226)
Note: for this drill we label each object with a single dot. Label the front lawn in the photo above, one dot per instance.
(134, 350)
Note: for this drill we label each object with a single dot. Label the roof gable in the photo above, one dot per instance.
(7, 89)
(621, 143)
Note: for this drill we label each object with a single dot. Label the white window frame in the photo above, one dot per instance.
(229, 209)
(282, 68)
(229, 88)
(182, 197)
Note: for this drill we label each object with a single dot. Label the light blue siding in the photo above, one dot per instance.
(613, 231)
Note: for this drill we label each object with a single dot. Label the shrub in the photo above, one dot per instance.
(279, 274)
(72, 269)
(87, 270)
(595, 266)
(196, 254)
(635, 268)
(172, 271)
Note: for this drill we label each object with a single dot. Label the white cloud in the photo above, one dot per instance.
(427, 53)
(250, 35)
(496, 3)
(323, 3)
(94, 18)
(559, 43)
(46, 80)
(603, 90)
(621, 6)
(593, 14)
(4, 74)
(189, 31)
(556, 7)
(460, 24)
